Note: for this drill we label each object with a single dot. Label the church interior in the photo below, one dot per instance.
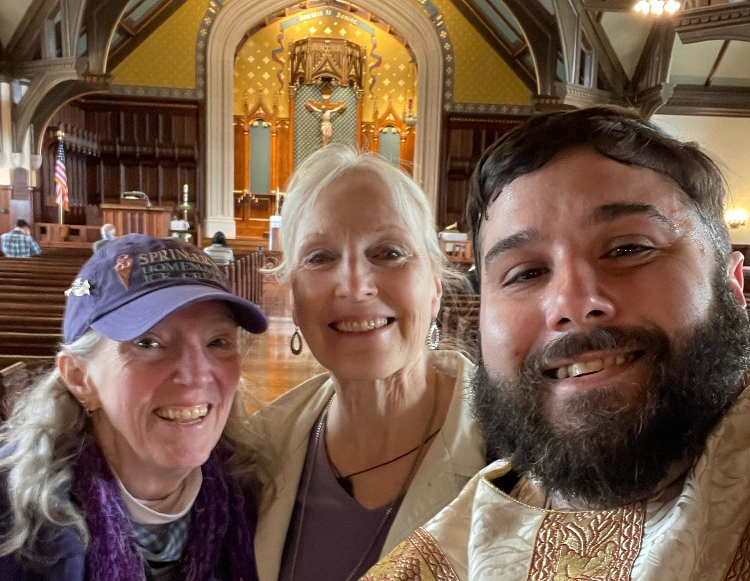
(187, 117)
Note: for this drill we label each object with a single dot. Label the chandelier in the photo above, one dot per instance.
(657, 7)
(735, 218)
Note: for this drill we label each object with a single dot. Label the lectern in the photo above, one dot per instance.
(137, 215)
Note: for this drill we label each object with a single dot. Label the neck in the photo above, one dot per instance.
(372, 403)
(149, 487)
(371, 421)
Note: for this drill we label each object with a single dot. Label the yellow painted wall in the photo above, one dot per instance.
(167, 58)
(256, 72)
(481, 75)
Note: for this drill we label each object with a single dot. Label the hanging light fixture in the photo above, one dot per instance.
(657, 7)
(735, 217)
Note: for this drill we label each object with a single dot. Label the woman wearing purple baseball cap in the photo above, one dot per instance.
(126, 461)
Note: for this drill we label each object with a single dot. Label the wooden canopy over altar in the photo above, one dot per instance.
(327, 85)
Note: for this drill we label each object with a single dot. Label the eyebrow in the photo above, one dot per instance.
(611, 212)
(512, 242)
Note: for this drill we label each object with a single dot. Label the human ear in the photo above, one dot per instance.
(735, 262)
(435, 307)
(74, 375)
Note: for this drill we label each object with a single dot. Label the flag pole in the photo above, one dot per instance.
(61, 211)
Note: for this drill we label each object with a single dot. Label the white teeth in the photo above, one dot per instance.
(359, 326)
(183, 414)
(576, 369)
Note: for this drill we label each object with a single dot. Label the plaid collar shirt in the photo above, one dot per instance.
(19, 245)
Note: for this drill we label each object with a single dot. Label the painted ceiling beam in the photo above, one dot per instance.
(609, 5)
(722, 22)
(714, 101)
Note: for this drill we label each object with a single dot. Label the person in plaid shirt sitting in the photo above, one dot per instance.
(18, 243)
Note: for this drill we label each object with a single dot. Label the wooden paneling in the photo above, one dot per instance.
(241, 177)
(5, 219)
(114, 145)
(465, 139)
(283, 160)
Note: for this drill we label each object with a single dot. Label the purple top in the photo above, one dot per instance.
(335, 529)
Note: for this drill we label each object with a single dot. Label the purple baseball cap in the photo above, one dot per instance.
(134, 281)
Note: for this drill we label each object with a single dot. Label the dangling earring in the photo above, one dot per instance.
(433, 337)
(86, 409)
(296, 343)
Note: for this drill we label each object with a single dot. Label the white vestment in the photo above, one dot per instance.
(699, 533)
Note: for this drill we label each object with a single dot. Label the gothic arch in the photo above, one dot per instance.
(226, 33)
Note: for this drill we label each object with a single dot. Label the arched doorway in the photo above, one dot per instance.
(228, 30)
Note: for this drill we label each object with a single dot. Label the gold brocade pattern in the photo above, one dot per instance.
(591, 546)
(418, 558)
(740, 568)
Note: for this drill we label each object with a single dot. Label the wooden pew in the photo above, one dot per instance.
(33, 300)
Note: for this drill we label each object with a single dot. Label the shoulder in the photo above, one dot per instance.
(420, 555)
(62, 555)
(307, 396)
(294, 413)
(453, 363)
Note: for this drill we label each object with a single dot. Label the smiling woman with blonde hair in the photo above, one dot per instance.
(379, 444)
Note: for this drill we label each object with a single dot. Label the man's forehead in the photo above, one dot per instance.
(579, 187)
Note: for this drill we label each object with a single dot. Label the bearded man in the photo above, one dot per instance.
(614, 351)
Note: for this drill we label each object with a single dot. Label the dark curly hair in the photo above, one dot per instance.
(614, 133)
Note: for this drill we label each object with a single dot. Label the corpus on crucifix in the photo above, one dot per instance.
(326, 110)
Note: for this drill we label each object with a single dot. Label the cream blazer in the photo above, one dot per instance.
(456, 454)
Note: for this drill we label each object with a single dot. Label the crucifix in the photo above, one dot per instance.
(326, 110)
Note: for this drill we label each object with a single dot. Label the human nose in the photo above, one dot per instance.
(356, 280)
(577, 299)
(194, 367)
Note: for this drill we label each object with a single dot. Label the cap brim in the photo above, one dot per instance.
(138, 316)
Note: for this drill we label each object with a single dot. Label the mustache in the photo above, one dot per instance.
(605, 338)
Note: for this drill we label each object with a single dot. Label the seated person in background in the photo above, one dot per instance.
(379, 444)
(18, 243)
(108, 233)
(219, 249)
(125, 462)
(612, 386)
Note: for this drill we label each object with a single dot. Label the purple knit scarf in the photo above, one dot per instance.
(220, 542)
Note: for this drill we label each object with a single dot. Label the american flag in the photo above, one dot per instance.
(61, 178)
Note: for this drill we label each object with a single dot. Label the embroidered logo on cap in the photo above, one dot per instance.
(123, 268)
(79, 288)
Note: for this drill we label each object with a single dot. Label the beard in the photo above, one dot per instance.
(604, 448)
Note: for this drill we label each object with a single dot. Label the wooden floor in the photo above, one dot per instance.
(270, 369)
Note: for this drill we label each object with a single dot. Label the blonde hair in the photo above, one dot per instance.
(45, 433)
